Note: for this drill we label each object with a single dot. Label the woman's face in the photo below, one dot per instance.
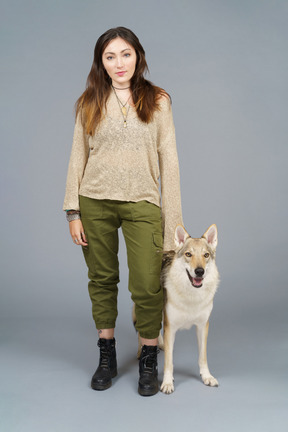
(119, 59)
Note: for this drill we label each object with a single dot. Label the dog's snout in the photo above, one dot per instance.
(199, 271)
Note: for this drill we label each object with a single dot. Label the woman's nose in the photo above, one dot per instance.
(119, 62)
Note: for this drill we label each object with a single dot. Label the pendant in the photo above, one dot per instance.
(124, 111)
(125, 124)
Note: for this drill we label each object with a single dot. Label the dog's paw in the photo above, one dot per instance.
(209, 380)
(167, 387)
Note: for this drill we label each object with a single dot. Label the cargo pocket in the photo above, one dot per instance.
(156, 253)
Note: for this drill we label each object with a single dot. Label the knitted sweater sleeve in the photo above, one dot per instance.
(77, 164)
(169, 174)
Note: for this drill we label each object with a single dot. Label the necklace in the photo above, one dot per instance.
(120, 88)
(122, 107)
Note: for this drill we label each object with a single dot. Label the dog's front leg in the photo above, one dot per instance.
(202, 335)
(167, 385)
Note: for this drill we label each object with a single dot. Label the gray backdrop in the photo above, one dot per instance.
(225, 65)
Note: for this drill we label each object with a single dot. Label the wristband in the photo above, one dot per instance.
(73, 216)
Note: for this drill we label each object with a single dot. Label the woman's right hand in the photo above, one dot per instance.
(77, 232)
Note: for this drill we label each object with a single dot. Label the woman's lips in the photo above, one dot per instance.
(120, 73)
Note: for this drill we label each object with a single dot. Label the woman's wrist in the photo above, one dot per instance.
(72, 215)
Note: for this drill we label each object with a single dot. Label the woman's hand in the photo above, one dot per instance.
(77, 232)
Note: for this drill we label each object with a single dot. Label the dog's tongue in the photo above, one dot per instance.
(197, 281)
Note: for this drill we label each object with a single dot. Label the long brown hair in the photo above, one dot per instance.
(145, 95)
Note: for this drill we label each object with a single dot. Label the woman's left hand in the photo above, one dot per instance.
(77, 232)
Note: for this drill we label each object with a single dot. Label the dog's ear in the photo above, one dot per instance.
(181, 236)
(211, 236)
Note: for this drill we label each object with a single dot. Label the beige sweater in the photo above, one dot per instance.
(125, 164)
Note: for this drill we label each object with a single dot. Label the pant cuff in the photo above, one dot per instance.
(105, 325)
(149, 334)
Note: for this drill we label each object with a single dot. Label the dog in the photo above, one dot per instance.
(190, 279)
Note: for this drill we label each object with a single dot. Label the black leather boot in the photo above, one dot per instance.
(107, 369)
(148, 371)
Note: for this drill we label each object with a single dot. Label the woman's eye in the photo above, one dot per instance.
(109, 58)
(188, 254)
(206, 255)
(127, 55)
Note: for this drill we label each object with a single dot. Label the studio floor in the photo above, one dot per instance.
(46, 366)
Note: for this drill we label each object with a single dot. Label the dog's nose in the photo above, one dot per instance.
(199, 271)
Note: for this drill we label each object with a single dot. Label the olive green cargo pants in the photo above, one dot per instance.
(142, 230)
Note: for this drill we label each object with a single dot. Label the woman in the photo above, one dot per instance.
(123, 142)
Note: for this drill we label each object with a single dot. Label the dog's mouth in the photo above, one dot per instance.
(196, 282)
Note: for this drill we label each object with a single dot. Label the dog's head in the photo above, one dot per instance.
(198, 254)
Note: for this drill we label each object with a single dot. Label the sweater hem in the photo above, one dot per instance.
(122, 199)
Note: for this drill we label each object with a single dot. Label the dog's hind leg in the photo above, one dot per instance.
(160, 341)
(202, 335)
(167, 385)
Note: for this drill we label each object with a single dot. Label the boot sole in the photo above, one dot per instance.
(100, 387)
(146, 392)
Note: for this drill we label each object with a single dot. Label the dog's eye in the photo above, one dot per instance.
(188, 254)
(206, 255)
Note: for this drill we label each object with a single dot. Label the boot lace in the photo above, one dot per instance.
(105, 354)
(150, 360)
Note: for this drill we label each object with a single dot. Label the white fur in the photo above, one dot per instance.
(186, 305)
